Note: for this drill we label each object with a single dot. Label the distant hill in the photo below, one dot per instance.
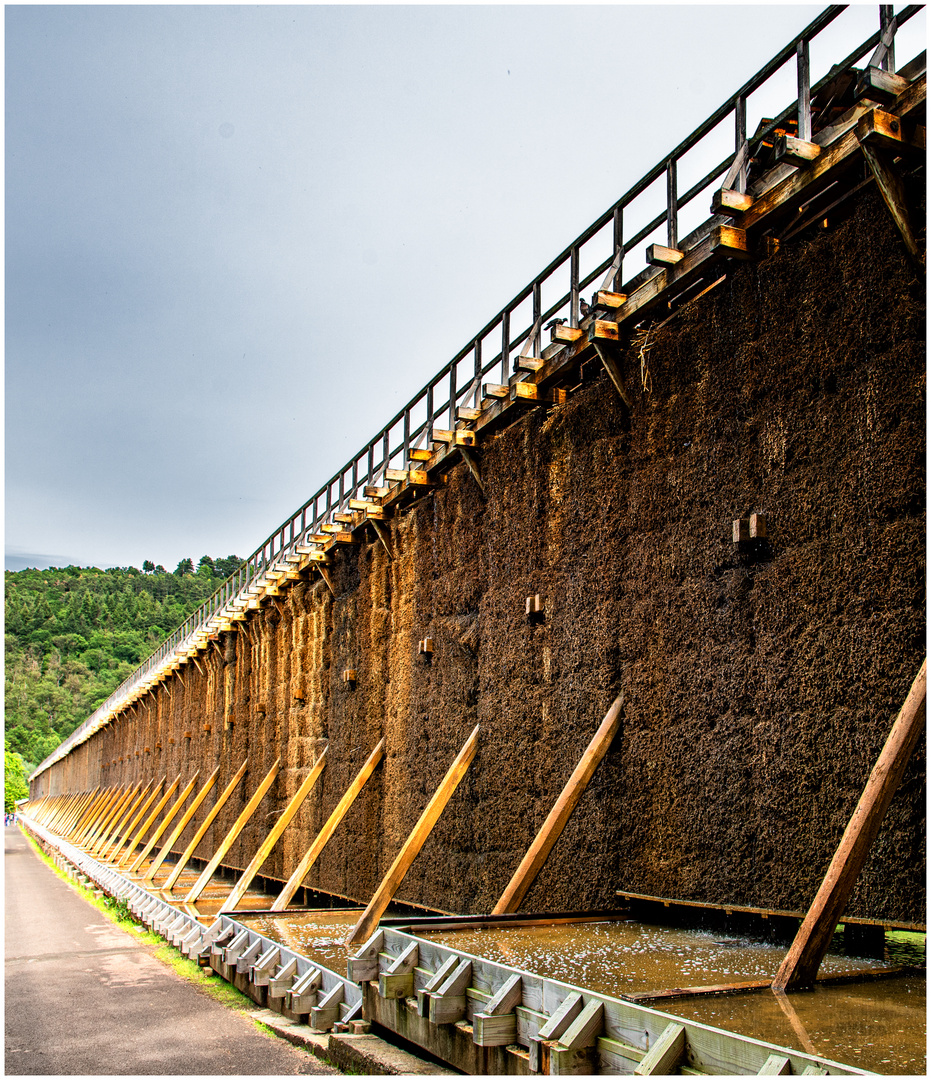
(73, 634)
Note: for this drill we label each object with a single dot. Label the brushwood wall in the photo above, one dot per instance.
(760, 681)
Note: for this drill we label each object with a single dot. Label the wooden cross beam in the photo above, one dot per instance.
(182, 825)
(800, 967)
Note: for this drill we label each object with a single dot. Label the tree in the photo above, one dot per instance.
(14, 779)
(148, 567)
(206, 565)
(186, 566)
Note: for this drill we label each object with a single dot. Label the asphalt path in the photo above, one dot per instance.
(85, 997)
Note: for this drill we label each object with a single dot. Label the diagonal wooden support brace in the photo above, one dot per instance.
(469, 458)
(613, 369)
(892, 190)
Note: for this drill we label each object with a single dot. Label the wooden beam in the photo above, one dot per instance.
(320, 840)
(800, 966)
(613, 369)
(730, 203)
(469, 458)
(392, 880)
(164, 823)
(325, 574)
(227, 842)
(284, 820)
(182, 825)
(665, 1054)
(205, 825)
(382, 533)
(131, 846)
(892, 190)
(795, 151)
(659, 255)
(140, 814)
(552, 828)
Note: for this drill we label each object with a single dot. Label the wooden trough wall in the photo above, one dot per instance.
(760, 677)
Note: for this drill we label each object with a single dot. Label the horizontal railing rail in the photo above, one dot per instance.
(462, 377)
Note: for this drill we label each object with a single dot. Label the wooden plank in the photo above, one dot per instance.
(658, 255)
(888, 132)
(131, 847)
(880, 86)
(119, 819)
(559, 1022)
(440, 976)
(265, 848)
(665, 1054)
(795, 151)
(448, 1004)
(398, 980)
(585, 1028)
(609, 301)
(552, 828)
(321, 839)
(139, 815)
(776, 1065)
(205, 825)
(892, 190)
(496, 1023)
(730, 203)
(227, 842)
(159, 830)
(800, 966)
(726, 240)
(613, 368)
(567, 335)
(472, 462)
(326, 1012)
(386, 890)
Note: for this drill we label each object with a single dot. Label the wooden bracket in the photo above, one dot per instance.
(889, 132)
(566, 335)
(448, 1004)
(398, 980)
(470, 459)
(614, 373)
(892, 189)
(794, 151)
(435, 981)
(758, 527)
(726, 240)
(658, 255)
(383, 535)
(665, 1054)
(496, 1024)
(606, 302)
(740, 530)
(326, 1012)
(730, 203)
(880, 86)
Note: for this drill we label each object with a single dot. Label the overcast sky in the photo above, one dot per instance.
(238, 239)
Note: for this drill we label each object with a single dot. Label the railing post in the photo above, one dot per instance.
(618, 248)
(505, 347)
(371, 456)
(477, 348)
(452, 397)
(886, 15)
(537, 312)
(407, 437)
(429, 415)
(804, 91)
(740, 137)
(672, 216)
(574, 286)
(385, 449)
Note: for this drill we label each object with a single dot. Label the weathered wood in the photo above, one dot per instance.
(114, 851)
(268, 844)
(604, 300)
(888, 132)
(398, 980)
(433, 984)
(880, 86)
(659, 255)
(448, 1004)
(119, 819)
(414, 842)
(227, 842)
(131, 847)
(205, 825)
(159, 830)
(800, 966)
(585, 1028)
(795, 151)
(280, 983)
(326, 1012)
(472, 462)
(566, 334)
(383, 535)
(776, 1065)
(496, 1024)
(613, 368)
(730, 203)
(559, 1022)
(892, 189)
(726, 240)
(665, 1054)
(320, 840)
(552, 828)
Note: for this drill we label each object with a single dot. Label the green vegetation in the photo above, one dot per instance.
(74, 634)
(14, 779)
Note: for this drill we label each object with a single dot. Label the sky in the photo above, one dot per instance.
(240, 238)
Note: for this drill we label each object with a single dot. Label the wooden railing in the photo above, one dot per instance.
(601, 253)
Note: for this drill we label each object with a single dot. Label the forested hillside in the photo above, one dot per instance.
(74, 634)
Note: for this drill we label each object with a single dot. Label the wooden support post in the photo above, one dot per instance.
(182, 825)
(892, 190)
(325, 1013)
(613, 369)
(280, 983)
(774, 1065)
(665, 1054)
(469, 458)
(131, 847)
(284, 820)
(116, 814)
(552, 828)
(496, 1024)
(140, 814)
(325, 574)
(398, 980)
(386, 890)
(302, 996)
(447, 1005)
(164, 823)
(205, 825)
(660, 255)
(227, 842)
(381, 532)
(800, 967)
(320, 840)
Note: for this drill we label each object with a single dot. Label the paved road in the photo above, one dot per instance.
(84, 997)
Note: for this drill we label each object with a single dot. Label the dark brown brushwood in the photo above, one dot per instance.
(801, 964)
